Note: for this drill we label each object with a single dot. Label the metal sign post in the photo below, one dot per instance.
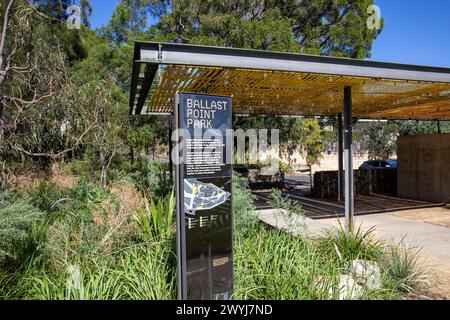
(204, 200)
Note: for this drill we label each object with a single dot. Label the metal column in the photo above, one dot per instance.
(348, 158)
(340, 158)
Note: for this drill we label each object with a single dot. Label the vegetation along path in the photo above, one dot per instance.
(433, 241)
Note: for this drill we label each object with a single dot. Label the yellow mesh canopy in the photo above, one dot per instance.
(294, 93)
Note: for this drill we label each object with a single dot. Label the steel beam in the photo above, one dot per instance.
(340, 153)
(147, 80)
(348, 159)
(194, 55)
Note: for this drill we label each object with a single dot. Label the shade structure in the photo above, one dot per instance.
(283, 84)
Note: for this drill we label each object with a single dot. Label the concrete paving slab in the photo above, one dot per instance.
(296, 225)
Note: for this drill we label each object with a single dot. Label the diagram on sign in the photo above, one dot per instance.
(202, 196)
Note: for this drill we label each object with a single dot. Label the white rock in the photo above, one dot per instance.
(367, 273)
(347, 288)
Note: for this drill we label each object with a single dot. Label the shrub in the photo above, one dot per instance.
(17, 218)
(291, 211)
(156, 221)
(400, 267)
(152, 178)
(140, 273)
(148, 272)
(274, 265)
(48, 197)
(345, 246)
(245, 220)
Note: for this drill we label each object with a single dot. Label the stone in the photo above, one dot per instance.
(349, 289)
(367, 273)
(344, 287)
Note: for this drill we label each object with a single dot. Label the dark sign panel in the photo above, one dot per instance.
(204, 200)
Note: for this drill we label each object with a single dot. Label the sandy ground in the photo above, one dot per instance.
(427, 229)
(437, 216)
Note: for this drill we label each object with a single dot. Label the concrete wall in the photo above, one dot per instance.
(424, 167)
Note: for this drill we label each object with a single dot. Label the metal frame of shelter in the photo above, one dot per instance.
(287, 84)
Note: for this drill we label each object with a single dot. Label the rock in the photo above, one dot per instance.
(367, 273)
(345, 287)
(349, 289)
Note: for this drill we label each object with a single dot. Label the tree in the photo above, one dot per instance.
(52, 103)
(327, 27)
(128, 19)
(331, 27)
(312, 143)
(378, 139)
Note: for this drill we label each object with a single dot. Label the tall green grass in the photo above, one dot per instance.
(140, 273)
(18, 219)
(274, 265)
(90, 250)
(156, 222)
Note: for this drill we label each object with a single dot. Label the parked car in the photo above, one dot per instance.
(393, 163)
(378, 164)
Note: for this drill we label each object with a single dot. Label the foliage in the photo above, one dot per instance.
(379, 138)
(289, 211)
(324, 27)
(401, 266)
(345, 246)
(128, 19)
(17, 219)
(245, 219)
(152, 178)
(98, 250)
(156, 222)
(141, 273)
(47, 196)
(276, 265)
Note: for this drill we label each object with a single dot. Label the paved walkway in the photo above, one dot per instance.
(296, 225)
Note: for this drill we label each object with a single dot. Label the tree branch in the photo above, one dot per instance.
(3, 40)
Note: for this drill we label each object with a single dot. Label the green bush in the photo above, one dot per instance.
(400, 266)
(48, 197)
(245, 220)
(152, 178)
(344, 246)
(274, 265)
(140, 273)
(17, 219)
(156, 222)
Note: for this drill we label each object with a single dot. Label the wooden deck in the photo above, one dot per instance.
(328, 208)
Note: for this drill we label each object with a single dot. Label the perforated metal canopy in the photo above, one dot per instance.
(273, 83)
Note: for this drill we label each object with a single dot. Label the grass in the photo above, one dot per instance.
(279, 267)
(102, 244)
(344, 246)
(140, 273)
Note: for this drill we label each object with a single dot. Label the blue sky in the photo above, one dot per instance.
(415, 31)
